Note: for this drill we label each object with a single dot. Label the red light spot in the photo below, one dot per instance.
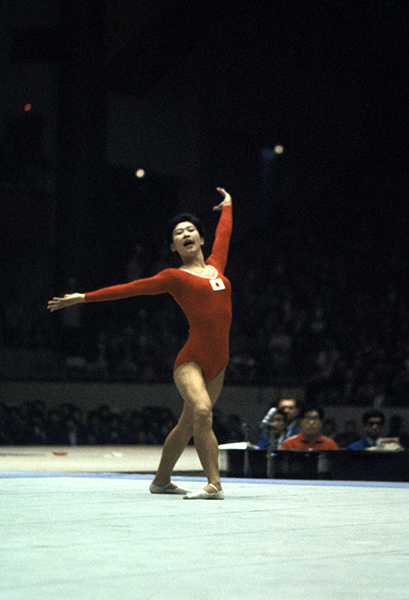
(27, 107)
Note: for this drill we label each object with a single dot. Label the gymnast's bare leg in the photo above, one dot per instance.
(196, 419)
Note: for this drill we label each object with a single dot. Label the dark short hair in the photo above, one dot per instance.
(297, 403)
(373, 412)
(180, 219)
(311, 407)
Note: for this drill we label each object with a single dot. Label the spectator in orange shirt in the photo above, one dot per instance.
(310, 437)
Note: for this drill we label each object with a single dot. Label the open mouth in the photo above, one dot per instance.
(188, 243)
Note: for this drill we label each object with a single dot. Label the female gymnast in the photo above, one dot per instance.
(204, 294)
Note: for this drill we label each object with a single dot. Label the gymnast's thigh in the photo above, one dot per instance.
(192, 387)
(214, 387)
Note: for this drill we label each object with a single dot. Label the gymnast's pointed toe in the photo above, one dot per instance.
(203, 495)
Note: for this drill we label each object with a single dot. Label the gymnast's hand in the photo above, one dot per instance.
(68, 300)
(226, 199)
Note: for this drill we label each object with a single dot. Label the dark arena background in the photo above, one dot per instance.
(114, 116)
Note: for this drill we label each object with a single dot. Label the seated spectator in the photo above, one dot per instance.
(277, 430)
(291, 408)
(310, 438)
(373, 425)
(274, 435)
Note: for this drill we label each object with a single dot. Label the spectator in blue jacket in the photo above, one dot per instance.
(373, 425)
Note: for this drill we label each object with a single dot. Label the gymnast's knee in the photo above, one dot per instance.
(203, 417)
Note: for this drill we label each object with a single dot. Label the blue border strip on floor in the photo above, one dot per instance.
(319, 483)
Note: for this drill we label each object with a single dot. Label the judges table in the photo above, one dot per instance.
(343, 465)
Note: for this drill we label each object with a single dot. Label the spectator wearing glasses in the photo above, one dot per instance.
(310, 438)
(373, 425)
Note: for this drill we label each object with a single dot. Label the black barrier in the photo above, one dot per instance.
(342, 465)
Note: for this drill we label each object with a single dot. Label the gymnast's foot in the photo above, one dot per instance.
(171, 488)
(209, 492)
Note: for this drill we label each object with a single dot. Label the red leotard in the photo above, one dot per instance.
(206, 302)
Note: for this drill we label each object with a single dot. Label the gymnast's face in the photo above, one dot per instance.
(186, 239)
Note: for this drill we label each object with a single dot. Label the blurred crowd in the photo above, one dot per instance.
(32, 423)
(321, 322)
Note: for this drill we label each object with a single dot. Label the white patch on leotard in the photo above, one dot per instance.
(217, 284)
